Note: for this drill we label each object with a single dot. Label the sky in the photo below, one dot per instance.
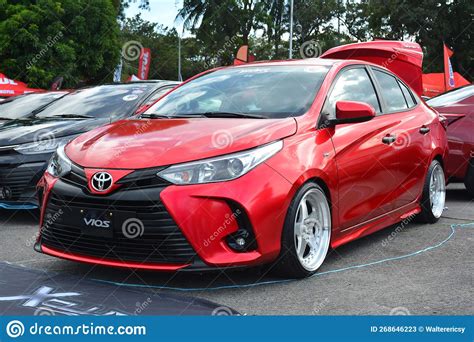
(161, 11)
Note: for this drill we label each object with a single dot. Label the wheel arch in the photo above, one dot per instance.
(439, 158)
(324, 186)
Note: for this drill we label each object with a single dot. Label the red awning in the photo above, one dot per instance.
(9, 87)
(433, 84)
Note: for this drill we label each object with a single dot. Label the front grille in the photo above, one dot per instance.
(162, 241)
(77, 176)
(138, 179)
(21, 179)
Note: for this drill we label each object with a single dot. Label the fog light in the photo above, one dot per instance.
(241, 241)
(5, 193)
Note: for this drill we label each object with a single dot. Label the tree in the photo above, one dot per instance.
(218, 21)
(121, 5)
(76, 39)
(163, 45)
(314, 22)
(428, 22)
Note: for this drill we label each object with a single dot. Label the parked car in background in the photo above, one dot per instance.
(27, 145)
(26, 105)
(458, 108)
(272, 162)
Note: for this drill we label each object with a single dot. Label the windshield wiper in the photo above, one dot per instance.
(232, 115)
(71, 116)
(163, 116)
(1, 118)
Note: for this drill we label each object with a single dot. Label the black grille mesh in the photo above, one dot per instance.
(20, 179)
(161, 242)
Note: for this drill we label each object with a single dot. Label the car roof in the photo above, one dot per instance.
(307, 61)
(329, 62)
(157, 82)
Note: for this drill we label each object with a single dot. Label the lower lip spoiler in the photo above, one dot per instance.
(21, 206)
(105, 262)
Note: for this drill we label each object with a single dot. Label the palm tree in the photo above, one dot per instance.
(234, 17)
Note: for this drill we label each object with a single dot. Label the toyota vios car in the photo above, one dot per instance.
(26, 145)
(262, 163)
(22, 106)
(458, 108)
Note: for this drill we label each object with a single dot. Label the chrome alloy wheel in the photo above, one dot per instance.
(437, 191)
(312, 229)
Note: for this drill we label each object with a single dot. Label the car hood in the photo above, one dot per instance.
(136, 144)
(17, 132)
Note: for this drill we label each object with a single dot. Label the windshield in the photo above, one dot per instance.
(267, 91)
(107, 101)
(451, 97)
(21, 106)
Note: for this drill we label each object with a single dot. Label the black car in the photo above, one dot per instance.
(27, 145)
(22, 106)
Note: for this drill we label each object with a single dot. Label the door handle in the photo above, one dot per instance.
(389, 139)
(424, 130)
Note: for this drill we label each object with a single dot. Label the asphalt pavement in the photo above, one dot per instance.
(413, 269)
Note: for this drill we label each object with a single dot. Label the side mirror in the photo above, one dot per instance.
(352, 112)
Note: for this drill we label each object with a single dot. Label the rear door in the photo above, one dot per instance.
(412, 125)
(367, 166)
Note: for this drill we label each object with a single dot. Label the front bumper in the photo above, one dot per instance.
(185, 227)
(19, 175)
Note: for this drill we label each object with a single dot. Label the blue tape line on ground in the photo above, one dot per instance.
(27, 206)
(281, 281)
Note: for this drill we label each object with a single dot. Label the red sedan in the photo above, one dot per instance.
(271, 162)
(458, 107)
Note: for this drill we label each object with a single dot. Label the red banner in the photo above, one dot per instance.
(448, 70)
(144, 64)
(9, 87)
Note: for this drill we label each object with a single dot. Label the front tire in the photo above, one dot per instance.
(306, 234)
(469, 180)
(434, 194)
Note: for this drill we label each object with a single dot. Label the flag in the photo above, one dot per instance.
(448, 70)
(118, 72)
(243, 56)
(144, 64)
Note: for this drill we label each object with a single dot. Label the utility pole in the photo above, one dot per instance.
(291, 30)
(180, 77)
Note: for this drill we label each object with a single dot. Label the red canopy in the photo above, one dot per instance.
(10, 87)
(433, 84)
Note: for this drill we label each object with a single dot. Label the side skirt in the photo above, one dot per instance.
(376, 224)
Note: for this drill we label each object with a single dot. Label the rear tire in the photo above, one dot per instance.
(306, 234)
(469, 180)
(434, 194)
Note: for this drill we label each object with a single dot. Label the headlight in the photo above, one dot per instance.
(43, 146)
(222, 168)
(59, 165)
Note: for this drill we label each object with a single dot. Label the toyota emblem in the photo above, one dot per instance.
(102, 181)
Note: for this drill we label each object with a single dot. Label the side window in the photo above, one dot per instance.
(352, 85)
(408, 95)
(391, 92)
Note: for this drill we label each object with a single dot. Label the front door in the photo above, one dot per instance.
(367, 161)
